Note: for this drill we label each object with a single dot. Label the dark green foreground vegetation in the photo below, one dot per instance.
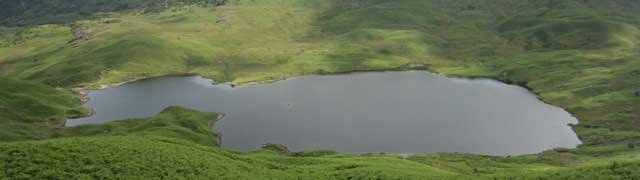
(177, 143)
(582, 55)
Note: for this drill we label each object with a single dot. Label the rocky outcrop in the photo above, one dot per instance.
(81, 34)
(276, 148)
(220, 2)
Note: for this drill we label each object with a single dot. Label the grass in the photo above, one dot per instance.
(33, 12)
(31, 110)
(177, 143)
(175, 122)
(579, 55)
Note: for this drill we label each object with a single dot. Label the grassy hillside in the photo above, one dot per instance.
(31, 110)
(236, 42)
(582, 55)
(36, 12)
(177, 144)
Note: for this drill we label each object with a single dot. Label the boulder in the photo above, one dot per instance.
(220, 2)
(276, 148)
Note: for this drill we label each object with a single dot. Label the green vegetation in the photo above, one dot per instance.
(33, 111)
(34, 12)
(177, 143)
(581, 55)
(175, 122)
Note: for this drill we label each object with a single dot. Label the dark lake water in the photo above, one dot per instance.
(394, 112)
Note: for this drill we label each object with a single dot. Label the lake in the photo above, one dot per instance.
(392, 112)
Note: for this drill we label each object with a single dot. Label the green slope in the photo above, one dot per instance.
(581, 55)
(175, 122)
(31, 110)
(176, 144)
(35, 12)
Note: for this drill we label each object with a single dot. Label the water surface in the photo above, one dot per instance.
(394, 112)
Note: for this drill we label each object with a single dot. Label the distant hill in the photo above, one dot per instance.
(36, 12)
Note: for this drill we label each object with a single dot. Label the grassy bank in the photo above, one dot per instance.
(31, 110)
(177, 143)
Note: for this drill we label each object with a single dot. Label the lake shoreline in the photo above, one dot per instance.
(212, 123)
(83, 91)
(422, 78)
